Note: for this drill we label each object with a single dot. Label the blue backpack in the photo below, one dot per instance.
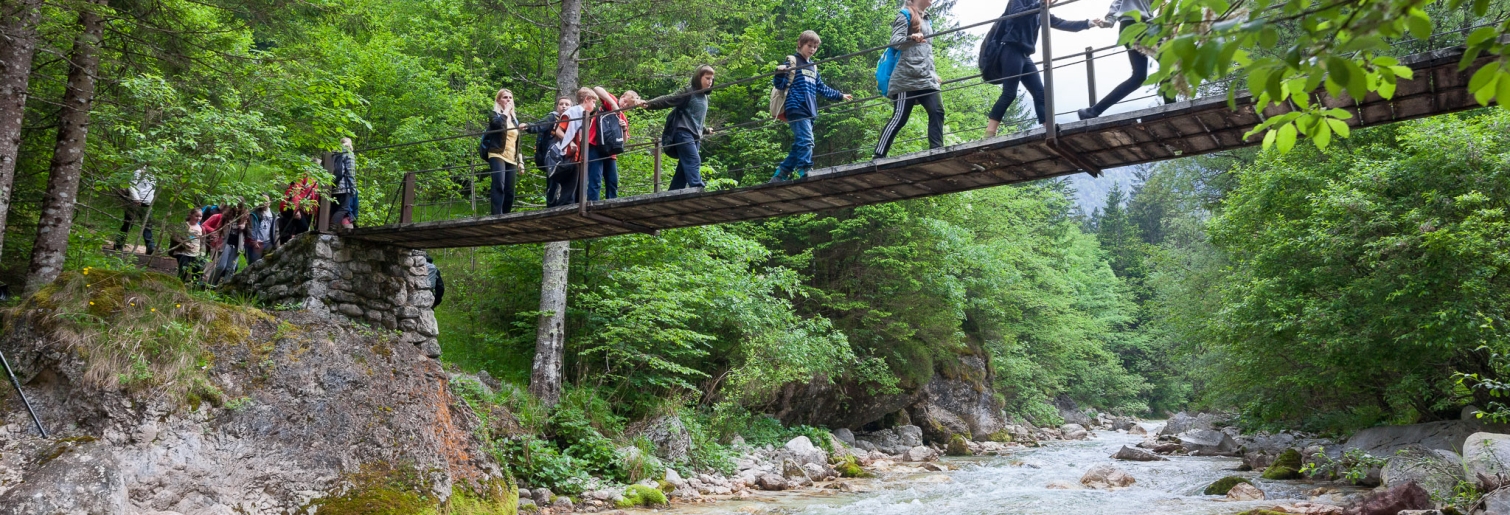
(888, 62)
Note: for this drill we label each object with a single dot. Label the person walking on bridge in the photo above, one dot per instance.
(914, 81)
(1006, 56)
(1123, 10)
(344, 213)
(685, 127)
(501, 144)
(800, 79)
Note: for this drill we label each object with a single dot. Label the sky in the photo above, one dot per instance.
(1070, 84)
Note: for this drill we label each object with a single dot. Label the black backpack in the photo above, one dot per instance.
(610, 134)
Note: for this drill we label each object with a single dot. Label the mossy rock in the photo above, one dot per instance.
(957, 446)
(1000, 436)
(1286, 466)
(1221, 486)
(641, 495)
(849, 467)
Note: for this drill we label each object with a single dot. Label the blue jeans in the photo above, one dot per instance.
(600, 168)
(689, 162)
(800, 159)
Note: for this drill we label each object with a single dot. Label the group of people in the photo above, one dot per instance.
(218, 236)
(599, 115)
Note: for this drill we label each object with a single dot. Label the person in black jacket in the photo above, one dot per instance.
(1007, 56)
(501, 145)
(344, 213)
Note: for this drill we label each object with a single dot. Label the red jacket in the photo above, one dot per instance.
(297, 193)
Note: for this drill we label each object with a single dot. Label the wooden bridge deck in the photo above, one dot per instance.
(1176, 130)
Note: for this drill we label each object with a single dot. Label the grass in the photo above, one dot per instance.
(135, 329)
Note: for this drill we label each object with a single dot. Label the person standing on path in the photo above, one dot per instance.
(801, 108)
(1122, 10)
(685, 127)
(914, 81)
(187, 246)
(259, 236)
(1007, 57)
(139, 198)
(501, 144)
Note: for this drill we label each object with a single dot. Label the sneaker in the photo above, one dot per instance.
(801, 173)
(1086, 114)
(780, 175)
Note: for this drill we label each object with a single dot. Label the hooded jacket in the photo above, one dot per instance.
(803, 90)
(1022, 31)
(914, 70)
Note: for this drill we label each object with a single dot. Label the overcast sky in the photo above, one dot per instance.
(1070, 92)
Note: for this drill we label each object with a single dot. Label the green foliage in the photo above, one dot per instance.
(538, 462)
(848, 466)
(579, 422)
(1290, 49)
(1362, 278)
(1221, 486)
(641, 496)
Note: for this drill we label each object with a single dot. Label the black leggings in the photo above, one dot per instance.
(505, 176)
(1018, 67)
(929, 99)
(1139, 64)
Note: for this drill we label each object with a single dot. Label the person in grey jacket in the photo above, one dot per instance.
(1123, 10)
(685, 127)
(914, 81)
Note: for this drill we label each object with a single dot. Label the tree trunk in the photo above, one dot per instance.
(58, 205)
(550, 336)
(18, 43)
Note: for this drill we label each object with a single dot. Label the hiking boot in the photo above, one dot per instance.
(1086, 114)
(801, 173)
(780, 175)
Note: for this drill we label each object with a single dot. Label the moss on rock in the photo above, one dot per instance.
(641, 495)
(1221, 486)
(957, 446)
(849, 467)
(1286, 466)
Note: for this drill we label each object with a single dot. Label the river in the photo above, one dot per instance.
(1015, 484)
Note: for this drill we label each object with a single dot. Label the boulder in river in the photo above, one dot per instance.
(1106, 476)
(957, 446)
(802, 451)
(1208, 442)
(1224, 485)
(1071, 412)
(1135, 454)
(1286, 466)
(1446, 435)
(1435, 471)
(1404, 496)
(1488, 455)
(920, 454)
(1060, 484)
(1497, 501)
(1245, 492)
(1073, 432)
(1182, 422)
(1137, 429)
(1160, 447)
(770, 482)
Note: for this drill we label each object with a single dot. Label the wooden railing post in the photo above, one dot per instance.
(1049, 127)
(322, 216)
(406, 211)
(656, 153)
(1090, 73)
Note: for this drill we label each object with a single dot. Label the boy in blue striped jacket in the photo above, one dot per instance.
(802, 92)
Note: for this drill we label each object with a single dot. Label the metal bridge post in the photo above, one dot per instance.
(406, 212)
(582, 166)
(656, 154)
(1050, 128)
(1090, 73)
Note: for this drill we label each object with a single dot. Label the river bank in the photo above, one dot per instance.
(1017, 483)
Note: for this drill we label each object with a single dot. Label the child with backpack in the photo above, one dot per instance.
(800, 80)
(605, 139)
(911, 81)
(565, 155)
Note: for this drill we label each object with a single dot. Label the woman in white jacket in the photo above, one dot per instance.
(914, 81)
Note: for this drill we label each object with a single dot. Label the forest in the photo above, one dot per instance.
(1329, 287)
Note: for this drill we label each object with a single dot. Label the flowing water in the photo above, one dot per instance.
(1015, 484)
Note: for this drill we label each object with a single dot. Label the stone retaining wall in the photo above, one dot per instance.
(383, 287)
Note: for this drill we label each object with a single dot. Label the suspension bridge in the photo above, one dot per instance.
(1181, 129)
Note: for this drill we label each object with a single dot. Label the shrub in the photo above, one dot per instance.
(641, 495)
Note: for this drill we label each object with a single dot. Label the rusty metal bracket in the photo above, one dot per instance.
(1070, 155)
(619, 223)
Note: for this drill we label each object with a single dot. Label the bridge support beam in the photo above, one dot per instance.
(376, 285)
